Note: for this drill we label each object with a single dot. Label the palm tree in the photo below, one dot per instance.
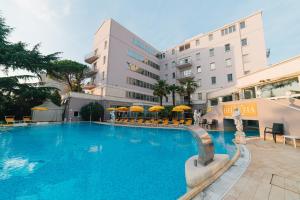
(173, 89)
(190, 87)
(161, 90)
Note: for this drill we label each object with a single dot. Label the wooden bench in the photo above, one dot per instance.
(294, 138)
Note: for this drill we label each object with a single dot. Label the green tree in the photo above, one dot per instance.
(70, 72)
(17, 98)
(93, 111)
(173, 89)
(17, 56)
(161, 90)
(190, 87)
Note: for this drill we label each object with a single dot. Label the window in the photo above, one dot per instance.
(173, 63)
(198, 56)
(199, 96)
(199, 83)
(213, 80)
(229, 77)
(166, 66)
(212, 66)
(228, 30)
(244, 42)
(246, 58)
(104, 60)
(103, 75)
(105, 44)
(242, 25)
(181, 48)
(173, 75)
(173, 51)
(187, 46)
(137, 69)
(228, 62)
(210, 37)
(199, 69)
(187, 73)
(197, 42)
(227, 47)
(211, 52)
(76, 114)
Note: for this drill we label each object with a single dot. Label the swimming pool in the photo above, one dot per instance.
(92, 161)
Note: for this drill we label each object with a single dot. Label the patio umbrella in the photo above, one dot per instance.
(156, 108)
(122, 109)
(40, 108)
(110, 109)
(181, 108)
(136, 109)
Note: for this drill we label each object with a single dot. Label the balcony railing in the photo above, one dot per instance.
(89, 86)
(91, 57)
(184, 63)
(183, 76)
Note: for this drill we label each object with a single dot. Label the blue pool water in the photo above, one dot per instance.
(92, 161)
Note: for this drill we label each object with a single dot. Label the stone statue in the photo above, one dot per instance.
(112, 116)
(239, 135)
(196, 118)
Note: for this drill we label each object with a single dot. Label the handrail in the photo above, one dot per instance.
(284, 97)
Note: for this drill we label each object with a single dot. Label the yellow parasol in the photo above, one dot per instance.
(40, 108)
(110, 109)
(136, 109)
(181, 108)
(122, 109)
(156, 108)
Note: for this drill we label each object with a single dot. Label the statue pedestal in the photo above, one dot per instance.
(240, 137)
(196, 175)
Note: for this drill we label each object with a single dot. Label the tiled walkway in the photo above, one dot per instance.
(274, 173)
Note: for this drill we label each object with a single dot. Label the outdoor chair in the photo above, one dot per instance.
(277, 129)
(188, 122)
(203, 122)
(10, 119)
(212, 124)
(165, 122)
(175, 122)
(27, 119)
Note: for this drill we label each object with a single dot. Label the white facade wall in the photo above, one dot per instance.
(111, 79)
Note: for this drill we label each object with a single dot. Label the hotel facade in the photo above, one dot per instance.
(228, 64)
(128, 67)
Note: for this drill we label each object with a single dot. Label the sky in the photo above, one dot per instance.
(68, 26)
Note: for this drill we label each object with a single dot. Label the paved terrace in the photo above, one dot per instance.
(274, 173)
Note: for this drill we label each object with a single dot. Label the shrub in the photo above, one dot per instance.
(93, 110)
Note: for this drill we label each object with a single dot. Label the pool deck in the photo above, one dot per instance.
(273, 173)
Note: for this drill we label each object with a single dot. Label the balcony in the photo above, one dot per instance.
(89, 86)
(182, 76)
(91, 57)
(184, 63)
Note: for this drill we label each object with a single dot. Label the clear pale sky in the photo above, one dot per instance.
(68, 25)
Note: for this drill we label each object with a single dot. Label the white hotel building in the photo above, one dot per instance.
(228, 64)
(128, 67)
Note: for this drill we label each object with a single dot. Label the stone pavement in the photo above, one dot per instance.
(273, 173)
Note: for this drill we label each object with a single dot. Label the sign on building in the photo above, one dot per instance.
(246, 109)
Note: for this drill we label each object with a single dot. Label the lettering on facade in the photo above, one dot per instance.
(247, 109)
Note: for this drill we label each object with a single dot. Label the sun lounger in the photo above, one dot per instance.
(10, 119)
(165, 122)
(188, 122)
(175, 122)
(27, 119)
(140, 121)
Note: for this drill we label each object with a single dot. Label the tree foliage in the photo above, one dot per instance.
(16, 97)
(92, 111)
(70, 72)
(161, 90)
(190, 87)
